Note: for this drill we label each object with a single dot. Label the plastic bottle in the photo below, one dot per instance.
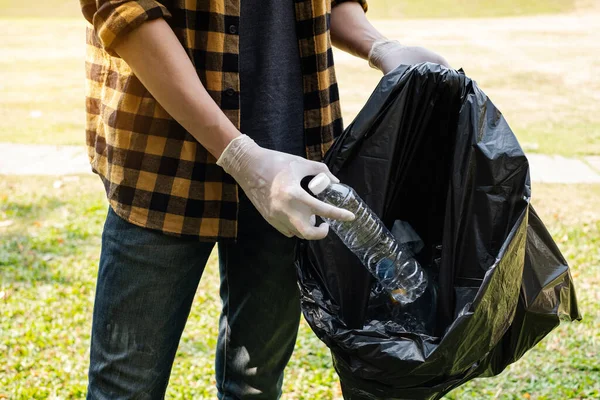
(367, 237)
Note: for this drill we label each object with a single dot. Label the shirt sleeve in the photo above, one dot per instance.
(363, 3)
(113, 19)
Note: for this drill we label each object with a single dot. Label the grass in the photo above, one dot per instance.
(540, 71)
(48, 259)
(42, 90)
(49, 247)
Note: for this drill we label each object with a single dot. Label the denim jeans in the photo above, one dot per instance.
(146, 284)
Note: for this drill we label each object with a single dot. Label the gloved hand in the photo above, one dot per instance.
(386, 55)
(271, 180)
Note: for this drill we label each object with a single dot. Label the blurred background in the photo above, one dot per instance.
(539, 61)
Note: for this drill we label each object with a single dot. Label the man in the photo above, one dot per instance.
(186, 100)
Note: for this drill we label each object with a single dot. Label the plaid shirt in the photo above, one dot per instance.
(156, 175)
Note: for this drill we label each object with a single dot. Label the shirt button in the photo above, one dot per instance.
(230, 92)
(233, 29)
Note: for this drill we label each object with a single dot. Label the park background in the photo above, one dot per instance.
(539, 61)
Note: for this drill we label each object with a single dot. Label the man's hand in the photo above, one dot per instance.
(387, 55)
(271, 180)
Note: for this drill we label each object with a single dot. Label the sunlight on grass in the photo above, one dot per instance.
(42, 86)
(549, 101)
(541, 71)
(48, 259)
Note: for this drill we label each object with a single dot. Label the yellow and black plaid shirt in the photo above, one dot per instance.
(156, 174)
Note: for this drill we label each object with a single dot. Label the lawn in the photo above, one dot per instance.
(541, 71)
(49, 244)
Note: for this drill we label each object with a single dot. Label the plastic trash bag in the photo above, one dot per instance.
(431, 150)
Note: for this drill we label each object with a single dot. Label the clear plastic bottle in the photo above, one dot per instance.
(367, 237)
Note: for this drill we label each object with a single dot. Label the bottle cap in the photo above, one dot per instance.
(319, 183)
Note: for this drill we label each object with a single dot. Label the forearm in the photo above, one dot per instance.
(158, 59)
(351, 31)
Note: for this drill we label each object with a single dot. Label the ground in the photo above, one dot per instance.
(541, 70)
(49, 247)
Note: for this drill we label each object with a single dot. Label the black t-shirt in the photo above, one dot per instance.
(270, 76)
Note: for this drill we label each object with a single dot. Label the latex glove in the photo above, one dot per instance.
(386, 55)
(271, 180)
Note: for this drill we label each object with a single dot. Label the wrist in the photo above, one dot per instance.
(379, 49)
(233, 156)
(225, 137)
(214, 133)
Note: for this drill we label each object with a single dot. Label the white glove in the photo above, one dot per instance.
(386, 55)
(271, 180)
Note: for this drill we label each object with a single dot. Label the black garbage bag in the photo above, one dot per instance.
(431, 150)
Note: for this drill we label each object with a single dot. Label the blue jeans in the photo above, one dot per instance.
(146, 284)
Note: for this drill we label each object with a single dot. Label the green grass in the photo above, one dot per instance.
(48, 260)
(49, 237)
(545, 108)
